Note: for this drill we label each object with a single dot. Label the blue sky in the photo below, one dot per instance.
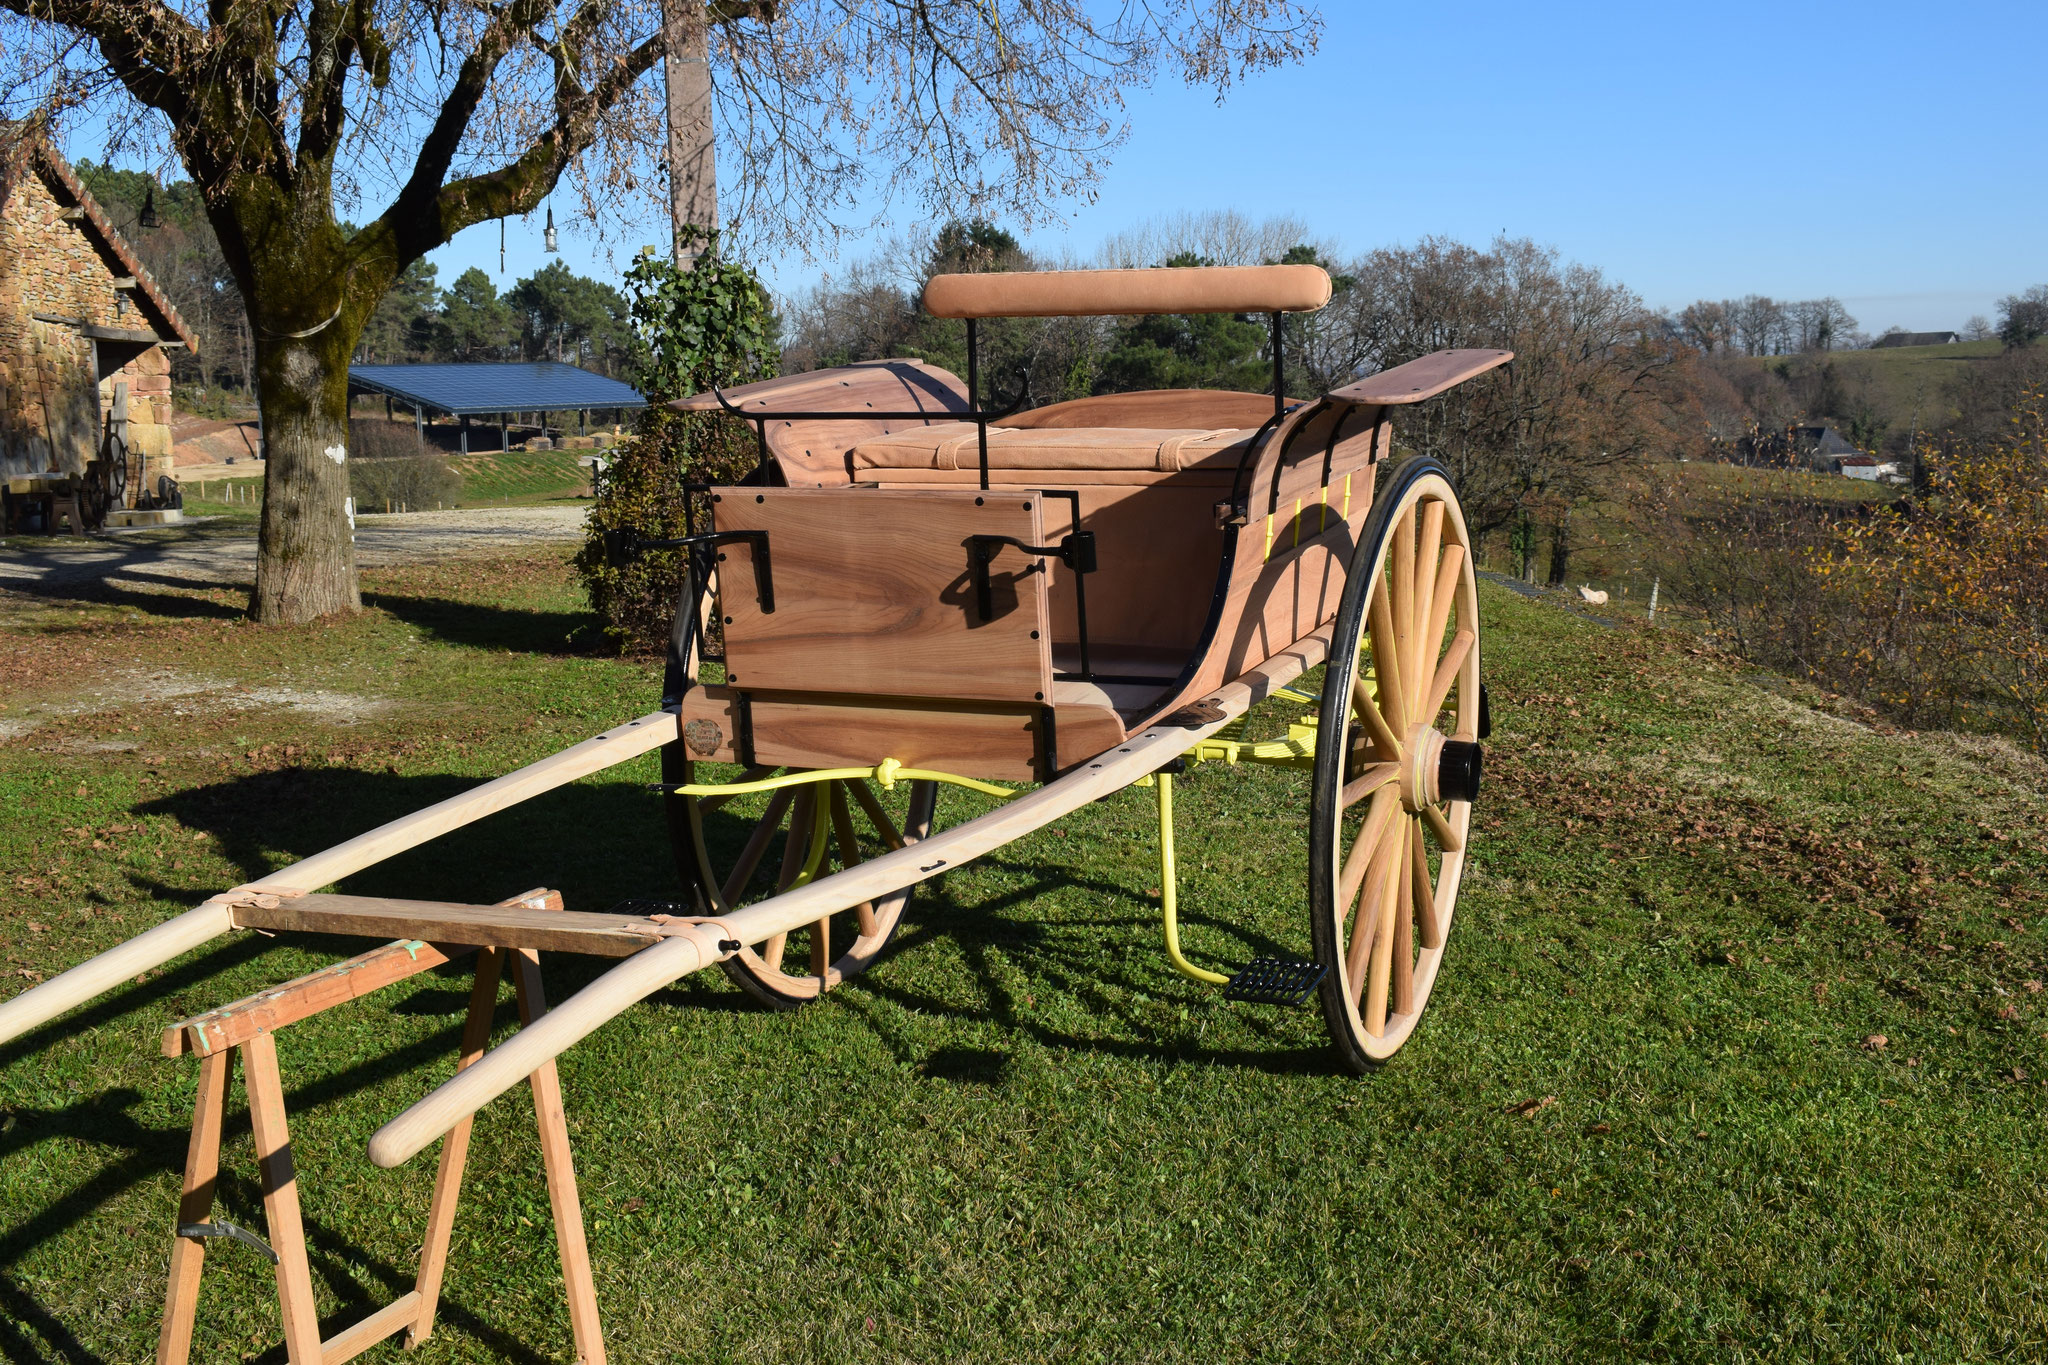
(1893, 155)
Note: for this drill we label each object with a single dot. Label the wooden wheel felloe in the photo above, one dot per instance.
(733, 851)
(1397, 764)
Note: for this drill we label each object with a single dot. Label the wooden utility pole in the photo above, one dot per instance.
(692, 157)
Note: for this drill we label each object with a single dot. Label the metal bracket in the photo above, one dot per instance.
(201, 1231)
(622, 545)
(1076, 551)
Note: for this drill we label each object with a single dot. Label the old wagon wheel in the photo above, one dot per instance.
(1397, 764)
(823, 826)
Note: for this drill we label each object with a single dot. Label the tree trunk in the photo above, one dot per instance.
(692, 156)
(1560, 548)
(306, 559)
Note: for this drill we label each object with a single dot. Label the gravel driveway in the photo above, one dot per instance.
(204, 555)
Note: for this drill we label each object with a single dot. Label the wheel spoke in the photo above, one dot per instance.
(796, 846)
(1443, 597)
(849, 855)
(1422, 645)
(1384, 805)
(1377, 978)
(1374, 777)
(1425, 894)
(707, 804)
(1404, 921)
(1447, 673)
(1368, 711)
(1386, 659)
(884, 826)
(1440, 825)
(1401, 560)
(1365, 926)
(757, 844)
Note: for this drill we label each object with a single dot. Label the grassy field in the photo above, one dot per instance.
(516, 478)
(521, 476)
(1737, 1056)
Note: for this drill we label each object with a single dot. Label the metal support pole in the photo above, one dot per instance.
(1279, 370)
(504, 434)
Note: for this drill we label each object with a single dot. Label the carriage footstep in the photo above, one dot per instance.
(1274, 981)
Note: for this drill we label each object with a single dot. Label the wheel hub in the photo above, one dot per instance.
(1436, 768)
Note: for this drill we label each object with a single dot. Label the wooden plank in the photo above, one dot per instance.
(281, 1200)
(490, 926)
(872, 595)
(351, 1342)
(267, 1011)
(850, 732)
(640, 976)
(560, 1165)
(270, 1010)
(1420, 379)
(202, 1170)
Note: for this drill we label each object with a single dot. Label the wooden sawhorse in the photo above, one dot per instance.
(248, 1025)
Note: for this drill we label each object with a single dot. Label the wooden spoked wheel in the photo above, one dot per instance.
(1397, 764)
(734, 851)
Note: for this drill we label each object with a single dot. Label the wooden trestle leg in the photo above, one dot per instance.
(247, 1027)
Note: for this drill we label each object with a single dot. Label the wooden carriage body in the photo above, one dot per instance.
(1222, 524)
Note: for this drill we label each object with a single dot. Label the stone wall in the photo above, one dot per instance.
(54, 395)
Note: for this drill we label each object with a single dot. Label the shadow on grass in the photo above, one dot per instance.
(178, 604)
(146, 1153)
(480, 625)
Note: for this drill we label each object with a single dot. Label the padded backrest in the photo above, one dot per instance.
(1107, 293)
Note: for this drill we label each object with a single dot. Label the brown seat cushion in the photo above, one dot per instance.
(951, 445)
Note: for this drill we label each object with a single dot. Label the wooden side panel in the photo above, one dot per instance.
(1286, 583)
(858, 732)
(873, 595)
(813, 454)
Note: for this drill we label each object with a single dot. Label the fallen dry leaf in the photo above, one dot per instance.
(1875, 1042)
(1531, 1106)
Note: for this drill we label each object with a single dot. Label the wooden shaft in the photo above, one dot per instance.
(645, 973)
(202, 1170)
(145, 952)
(281, 1200)
(174, 937)
(613, 747)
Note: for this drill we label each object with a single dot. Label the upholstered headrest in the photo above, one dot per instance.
(1103, 293)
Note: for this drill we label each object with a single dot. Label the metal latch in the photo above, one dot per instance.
(201, 1231)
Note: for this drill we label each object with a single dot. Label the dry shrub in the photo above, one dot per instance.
(1935, 608)
(388, 472)
(1951, 591)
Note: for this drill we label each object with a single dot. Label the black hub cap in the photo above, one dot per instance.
(1457, 772)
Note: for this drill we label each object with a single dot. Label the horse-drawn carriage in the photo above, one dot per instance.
(917, 588)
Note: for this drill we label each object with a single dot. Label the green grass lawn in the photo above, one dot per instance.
(1644, 1118)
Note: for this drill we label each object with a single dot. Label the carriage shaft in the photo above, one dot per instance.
(698, 945)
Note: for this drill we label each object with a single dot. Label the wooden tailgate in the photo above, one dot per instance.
(873, 594)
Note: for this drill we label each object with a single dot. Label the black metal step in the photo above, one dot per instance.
(1274, 981)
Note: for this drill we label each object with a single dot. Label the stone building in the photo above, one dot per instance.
(83, 327)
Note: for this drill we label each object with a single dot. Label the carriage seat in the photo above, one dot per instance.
(952, 446)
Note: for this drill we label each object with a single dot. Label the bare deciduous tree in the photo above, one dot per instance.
(451, 115)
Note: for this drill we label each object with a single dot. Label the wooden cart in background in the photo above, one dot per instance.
(916, 589)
